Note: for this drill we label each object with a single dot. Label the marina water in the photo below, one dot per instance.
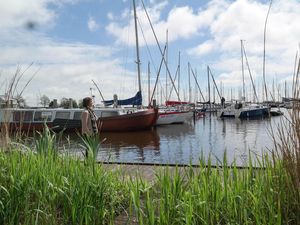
(186, 143)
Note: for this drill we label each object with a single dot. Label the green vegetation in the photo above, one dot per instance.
(219, 196)
(42, 188)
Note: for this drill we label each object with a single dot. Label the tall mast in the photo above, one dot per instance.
(208, 86)
(243, 75)
(179, 74)
(149, 97)
(285, 90)
(167, 48)
(137, 47)
(189, 71)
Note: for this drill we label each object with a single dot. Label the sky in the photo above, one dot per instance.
(65, 44)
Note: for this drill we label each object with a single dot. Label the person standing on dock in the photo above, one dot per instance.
(223, 102)
(88, 118)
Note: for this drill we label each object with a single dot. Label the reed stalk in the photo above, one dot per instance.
(35, 189)
(286, 137)
(11, 92)
(224, 195)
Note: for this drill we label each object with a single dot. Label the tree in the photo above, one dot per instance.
(80, 103)
(44, 100)
(65, 103)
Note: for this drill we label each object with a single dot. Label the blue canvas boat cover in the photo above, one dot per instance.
(136, 100)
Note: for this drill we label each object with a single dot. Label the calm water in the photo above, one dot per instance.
(185, 143)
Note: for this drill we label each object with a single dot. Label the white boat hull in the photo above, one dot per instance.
(170, 117)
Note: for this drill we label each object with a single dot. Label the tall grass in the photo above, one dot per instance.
(35, 189)
(224, 195)
(12, 93)
(288, 144)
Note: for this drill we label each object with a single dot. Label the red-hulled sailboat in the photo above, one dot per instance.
(130, 121)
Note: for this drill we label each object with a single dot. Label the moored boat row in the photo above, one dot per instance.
(109, 119)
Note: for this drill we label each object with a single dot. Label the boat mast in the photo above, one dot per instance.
(285, 90)
(149, 97)
(208, 85)
(137, 47)
(243, 75)
(189, 72)
(179, 74)
(167, 48)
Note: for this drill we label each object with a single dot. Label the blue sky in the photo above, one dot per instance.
(75, 41)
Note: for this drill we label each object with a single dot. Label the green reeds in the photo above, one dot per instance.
(38, 189)
(44, 190)
(286, 137)
(222, 195)
(45, 142)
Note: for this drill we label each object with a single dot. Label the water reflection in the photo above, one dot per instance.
(186, 143)
(176, 131)
(136, 140)
(129, 146)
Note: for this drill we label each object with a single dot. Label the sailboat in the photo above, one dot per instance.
(130, 120)
(174, 112)
(240, 109)
(109, 119)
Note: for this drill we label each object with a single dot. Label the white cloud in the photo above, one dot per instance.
(15, 13)
(244, 19)
(203, 49)
(92, 24)
(110, 16)
(181, 22)
(66, 69)
(67, 79)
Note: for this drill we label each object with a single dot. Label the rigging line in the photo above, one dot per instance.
(197, 84)
(98, 90)
(138, 62)
(125, 58)
(161, 52)
(247, 63)
(161, 62)
(212, 76)
(147, 46)
(176, 73)
(148, 50)
(272, 96)
(162, 89)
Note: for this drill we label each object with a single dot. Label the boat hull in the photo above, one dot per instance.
(129, 122)
(57, 125)
(27, 127)
(165, 118)
(254, 113)
(133, 121)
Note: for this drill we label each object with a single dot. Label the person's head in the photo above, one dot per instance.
(87, 102)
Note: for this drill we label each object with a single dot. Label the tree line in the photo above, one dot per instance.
(64, 102)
